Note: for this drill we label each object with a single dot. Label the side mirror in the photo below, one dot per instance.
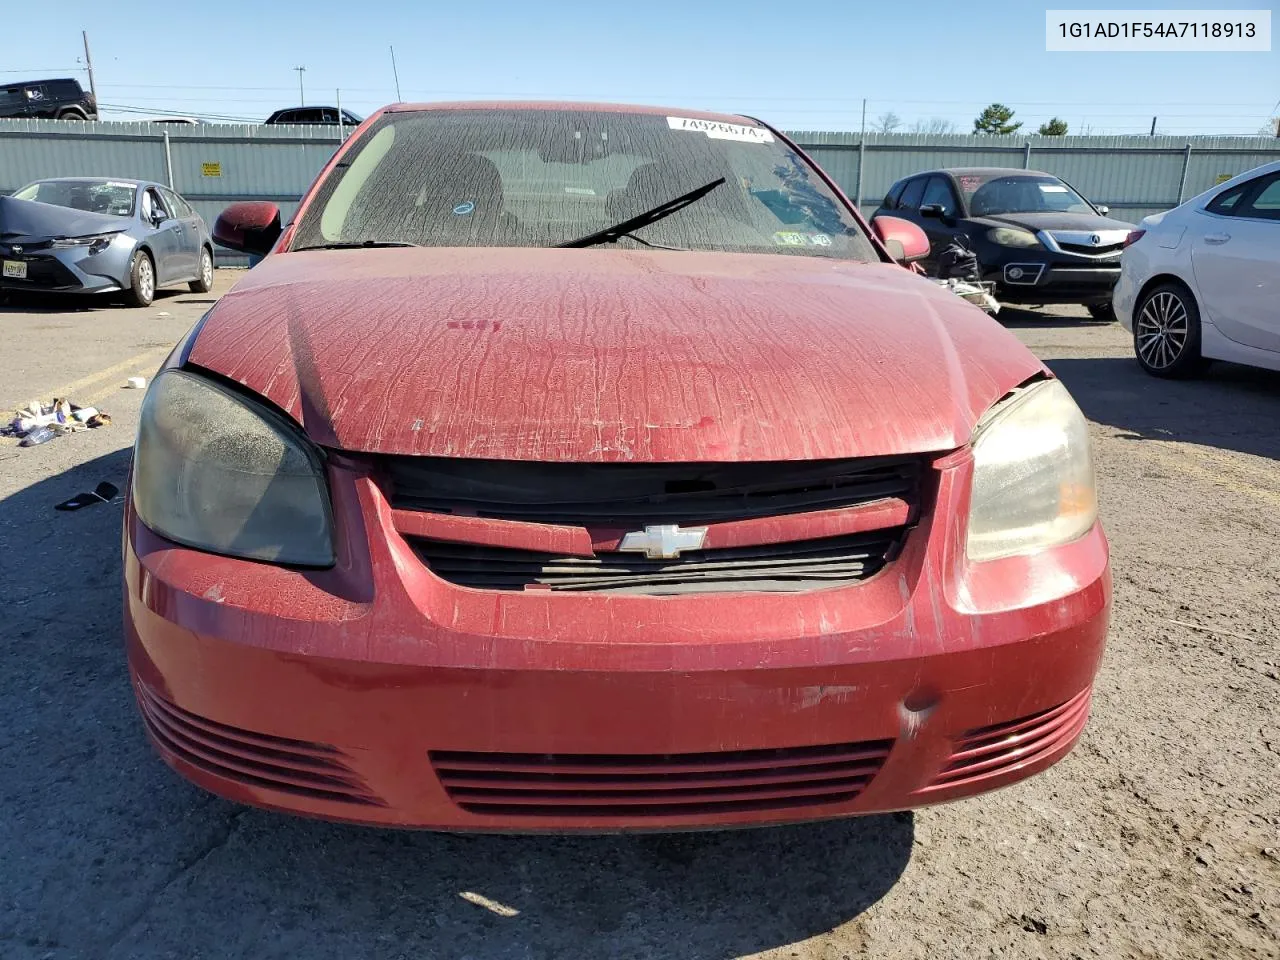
(251, 226)
(933, 210)
(905, 241)
(1103, 209)
(158, 217)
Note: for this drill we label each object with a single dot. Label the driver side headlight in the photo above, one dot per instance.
(1012, 237)
(1033, 485)
(216, 471)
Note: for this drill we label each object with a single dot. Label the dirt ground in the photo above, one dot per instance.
(1159, 837)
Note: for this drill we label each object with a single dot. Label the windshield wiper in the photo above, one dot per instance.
(356, 245)
(625, 227)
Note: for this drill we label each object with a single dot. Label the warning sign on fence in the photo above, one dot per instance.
(211, 169)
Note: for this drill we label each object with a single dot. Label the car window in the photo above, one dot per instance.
(996, 194)
(35, 93)
(10, 96)
(94, 196)
(910, 199)
(542, 177)
(351, 118)
(1266, 204)
(939, 191)
(175, 204)
(1225, 202)
(65, 90)
(152, 203)
(309, 116)
(891, 198)
(328, 115)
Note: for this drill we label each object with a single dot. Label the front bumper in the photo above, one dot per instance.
(70, 270)
(375, 692)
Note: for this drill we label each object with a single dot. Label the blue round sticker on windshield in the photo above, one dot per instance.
(462, 209)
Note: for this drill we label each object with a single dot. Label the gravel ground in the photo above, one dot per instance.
(1159, 837)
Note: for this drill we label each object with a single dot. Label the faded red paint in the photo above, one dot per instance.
(611, 355)
(368, 691)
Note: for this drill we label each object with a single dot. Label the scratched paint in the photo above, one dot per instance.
(607, 355)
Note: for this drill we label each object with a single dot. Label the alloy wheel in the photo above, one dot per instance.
(146, 279)
(1163, 329)
(206, 268)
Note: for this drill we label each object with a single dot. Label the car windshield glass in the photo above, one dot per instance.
(538, 178)
(93, 196)
(994, 194)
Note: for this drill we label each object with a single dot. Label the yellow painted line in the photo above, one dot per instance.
(75, 390)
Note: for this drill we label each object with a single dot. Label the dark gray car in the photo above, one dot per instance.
(91, 235)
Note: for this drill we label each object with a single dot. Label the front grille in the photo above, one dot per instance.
(296, 767)
(1092, 251)
(776, 568)
(1002, 747)
(632, 494)
(44, 273)
(662, 785)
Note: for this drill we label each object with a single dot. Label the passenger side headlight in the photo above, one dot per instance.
(1012, 237)
(216, 471)
(1033, 485)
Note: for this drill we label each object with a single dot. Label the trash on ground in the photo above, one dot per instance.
(164, 313)
(39, 422)
(102, 493)
(979, 294)
(36, 436)
(136, 383)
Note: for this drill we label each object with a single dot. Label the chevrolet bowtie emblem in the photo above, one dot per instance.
(663, 541)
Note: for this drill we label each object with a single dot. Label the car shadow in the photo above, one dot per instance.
(1230, 406)
(1019, 318)
(23, 302)
(122, 858)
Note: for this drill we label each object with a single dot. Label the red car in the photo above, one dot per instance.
(575, 467)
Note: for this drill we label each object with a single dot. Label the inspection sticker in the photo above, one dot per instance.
(721, 131)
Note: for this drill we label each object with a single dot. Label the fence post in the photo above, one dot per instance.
(1026, 157)
(168, 161)
(1182, 182)
(862, 162)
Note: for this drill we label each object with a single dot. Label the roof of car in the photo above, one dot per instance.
(569, 105)
(124, 180)
(985, 172)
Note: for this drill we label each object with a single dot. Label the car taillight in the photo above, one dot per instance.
(1133, 237)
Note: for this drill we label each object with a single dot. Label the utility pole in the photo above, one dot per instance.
(302, 97)
(395, 73)
(88, 63)
(1153, 126)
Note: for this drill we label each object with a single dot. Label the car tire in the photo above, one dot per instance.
(1102, 312)
(71, 114)
(142, 280)
(203, 282)
(1166, 333)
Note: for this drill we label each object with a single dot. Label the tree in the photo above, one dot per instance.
(996, 119)
(886, 122)
(933, 125)
(1054, 128)
(1270, 129)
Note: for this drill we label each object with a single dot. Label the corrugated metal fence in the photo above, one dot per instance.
(212, 165)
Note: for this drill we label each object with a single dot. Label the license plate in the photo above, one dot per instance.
(15, 269)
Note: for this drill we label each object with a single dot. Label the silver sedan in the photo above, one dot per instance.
(91, 235)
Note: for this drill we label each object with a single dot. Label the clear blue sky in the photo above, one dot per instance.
(799, 65)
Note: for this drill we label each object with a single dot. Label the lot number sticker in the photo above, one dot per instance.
(721, 131)
(211, 169)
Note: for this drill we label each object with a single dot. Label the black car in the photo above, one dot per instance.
(314, 115)
(1035, 236)
(61, 99)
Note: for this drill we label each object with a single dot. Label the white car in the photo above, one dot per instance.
(1201, 282)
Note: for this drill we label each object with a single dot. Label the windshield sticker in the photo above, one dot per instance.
(721, 131)
(970, 184)
(1052, 188)
(792, 238)
(464, 208)
(117, 183)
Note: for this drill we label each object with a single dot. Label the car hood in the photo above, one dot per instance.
(608, 355)
(32, 220)
(1056, 221)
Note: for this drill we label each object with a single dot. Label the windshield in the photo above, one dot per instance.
(538, 178)
(994, 195)
(94, 196)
